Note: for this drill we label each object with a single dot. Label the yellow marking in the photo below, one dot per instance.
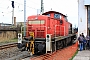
(32, 42)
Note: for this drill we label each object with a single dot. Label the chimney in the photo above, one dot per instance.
(14, 21)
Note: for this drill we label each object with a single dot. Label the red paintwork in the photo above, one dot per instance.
(51, 25)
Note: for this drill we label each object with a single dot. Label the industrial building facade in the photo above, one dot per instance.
(84, 17)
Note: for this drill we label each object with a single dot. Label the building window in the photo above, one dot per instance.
(88, 21)
(89, 17)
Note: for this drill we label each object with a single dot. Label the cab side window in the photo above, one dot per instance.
(48, 15)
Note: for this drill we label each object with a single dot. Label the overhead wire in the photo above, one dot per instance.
(19, 6)
(23, 4)
(29, 6)
(4, 11)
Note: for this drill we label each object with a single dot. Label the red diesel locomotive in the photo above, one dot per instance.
(48, 32)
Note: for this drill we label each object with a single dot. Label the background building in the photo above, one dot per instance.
(84, 17)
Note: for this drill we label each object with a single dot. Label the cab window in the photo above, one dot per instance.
(48, 15)
(57, 16)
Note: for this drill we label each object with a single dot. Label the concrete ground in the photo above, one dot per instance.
(83, 55)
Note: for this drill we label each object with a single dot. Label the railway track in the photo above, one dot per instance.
(8, 46)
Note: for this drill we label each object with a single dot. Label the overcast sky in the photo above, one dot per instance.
(69, 7)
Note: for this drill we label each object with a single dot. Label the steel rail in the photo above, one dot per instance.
(8, 46)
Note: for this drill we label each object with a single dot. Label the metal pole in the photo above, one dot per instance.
(12, 15)
(42, 7)
(12, 11)
(24, 17)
